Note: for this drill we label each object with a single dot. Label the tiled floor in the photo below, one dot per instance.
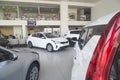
(55, 65)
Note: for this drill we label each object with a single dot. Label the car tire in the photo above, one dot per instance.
(33, 72)
(30, 44)
(49, 48)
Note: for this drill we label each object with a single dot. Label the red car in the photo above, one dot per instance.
(105, 62)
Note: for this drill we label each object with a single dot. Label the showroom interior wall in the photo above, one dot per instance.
(104, 7)
(64, 22)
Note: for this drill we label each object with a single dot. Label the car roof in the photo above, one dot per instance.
(102, 20)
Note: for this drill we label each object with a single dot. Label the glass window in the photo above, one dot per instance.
(8, 12)
(50, 35)
(3, 55)
(87, 33)
(79, 13)
(40, 35)
(75, 32)
(34, 35)
(49, 14)
(28, 13)
(84, 14)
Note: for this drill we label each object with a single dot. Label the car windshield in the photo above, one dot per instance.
(89, 32)
(50, 35)
(75, 32)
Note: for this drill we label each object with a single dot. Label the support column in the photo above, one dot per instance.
(64, 17)
(24, 31)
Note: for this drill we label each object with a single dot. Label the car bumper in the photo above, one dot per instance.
(59, 46)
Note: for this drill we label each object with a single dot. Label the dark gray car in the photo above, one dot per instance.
(18, 65)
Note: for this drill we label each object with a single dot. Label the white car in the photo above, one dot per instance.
(86, 46)
(19, 65)
(47, 41)
(73, 34)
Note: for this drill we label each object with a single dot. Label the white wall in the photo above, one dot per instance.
(105, 7)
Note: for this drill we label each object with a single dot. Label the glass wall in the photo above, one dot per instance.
(43, 13)
(8, 12)
(79, 13)
(49, 13)
(84, 14)
(28, 13)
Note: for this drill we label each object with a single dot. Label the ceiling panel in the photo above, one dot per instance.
(86, 1)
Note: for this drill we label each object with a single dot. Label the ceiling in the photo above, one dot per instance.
(86, 1)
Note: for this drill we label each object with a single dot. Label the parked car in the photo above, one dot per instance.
(105, 62)
(47, 41)
(86, 45)
(84, 49)
(72, 34)
(3, 40)
(18, 65)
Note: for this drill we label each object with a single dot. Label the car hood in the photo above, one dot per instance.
(60, 39)
(26, 54)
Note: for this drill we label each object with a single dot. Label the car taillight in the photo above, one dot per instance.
(92, 64)
(100, 64)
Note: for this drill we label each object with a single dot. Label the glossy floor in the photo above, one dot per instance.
(55, 65)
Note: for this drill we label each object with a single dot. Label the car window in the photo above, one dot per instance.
(3, 55)
(74, 32)
(39, 35)
(50, 35)
(87, 33)
(34, 35)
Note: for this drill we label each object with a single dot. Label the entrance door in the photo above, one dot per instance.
(18, 31)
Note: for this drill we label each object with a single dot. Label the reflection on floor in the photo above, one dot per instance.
(55, 65)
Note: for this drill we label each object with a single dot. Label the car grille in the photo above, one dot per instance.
(64, 42)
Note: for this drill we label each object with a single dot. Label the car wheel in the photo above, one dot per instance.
(33, 72)
(49, 48)
(30, 44)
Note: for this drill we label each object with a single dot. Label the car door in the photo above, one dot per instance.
(106, 55)
(41, 40)
(10, 69)
(32, 39)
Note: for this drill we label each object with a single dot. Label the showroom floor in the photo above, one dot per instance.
(55, 65)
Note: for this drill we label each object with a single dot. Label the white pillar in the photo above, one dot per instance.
(24, 31)
(64, 17)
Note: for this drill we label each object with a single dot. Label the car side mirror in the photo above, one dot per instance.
(14, 57)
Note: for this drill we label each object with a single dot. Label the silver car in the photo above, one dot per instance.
(18, 65)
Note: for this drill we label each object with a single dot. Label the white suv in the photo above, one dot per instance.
(72, 34)
(47, 40)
